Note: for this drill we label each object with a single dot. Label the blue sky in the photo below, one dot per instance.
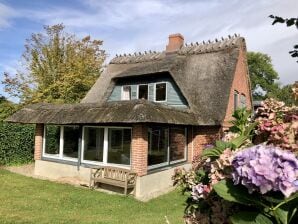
(127, 26)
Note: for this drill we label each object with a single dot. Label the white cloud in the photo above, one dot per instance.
(5, 14)
(128, 25)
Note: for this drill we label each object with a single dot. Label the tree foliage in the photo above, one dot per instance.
(263, 77)
(6, 108)
(59, 67)
(288, 22)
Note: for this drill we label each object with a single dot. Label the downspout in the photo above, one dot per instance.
(80, 147)
(192, 143)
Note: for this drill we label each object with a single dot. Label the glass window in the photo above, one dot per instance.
(143, 92)
(126, 93)
(160, 91)
(119, 146)
(236, 95)
(52, 140)
(157, 145)
(177, 144)
(93, 144)
(71, 141)
(243, 100)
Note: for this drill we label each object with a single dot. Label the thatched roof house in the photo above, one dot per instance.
(147, 111)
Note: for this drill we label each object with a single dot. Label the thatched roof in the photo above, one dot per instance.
(203, 72)
(135, 111)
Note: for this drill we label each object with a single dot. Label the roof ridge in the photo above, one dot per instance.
(188, 48)
(210, 46)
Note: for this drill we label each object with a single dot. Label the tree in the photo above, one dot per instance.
(262, 75)
(289, 22)
(58, 67)
(6, 108)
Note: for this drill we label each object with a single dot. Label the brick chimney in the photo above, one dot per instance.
(175, 43)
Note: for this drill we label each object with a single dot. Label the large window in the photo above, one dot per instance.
(157, 145)
(160, 91)
(107, 145)
(143, 92)
(166, 146)
(61, 142)
(177, 144)
(93, 144)
(119, 146)
(52, 140)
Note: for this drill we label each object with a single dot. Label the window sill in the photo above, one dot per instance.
(167, 167)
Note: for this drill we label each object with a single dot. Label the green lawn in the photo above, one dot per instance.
(28, 200)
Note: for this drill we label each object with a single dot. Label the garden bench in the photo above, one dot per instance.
(112, 176)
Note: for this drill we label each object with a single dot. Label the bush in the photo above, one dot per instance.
(16, 143)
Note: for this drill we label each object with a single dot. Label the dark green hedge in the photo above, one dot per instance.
(16, 143)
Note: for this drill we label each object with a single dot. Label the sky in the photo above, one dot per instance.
(127, 26)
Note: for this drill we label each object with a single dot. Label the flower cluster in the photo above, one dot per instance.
(266, 168)
(278, 124)
(220, 168)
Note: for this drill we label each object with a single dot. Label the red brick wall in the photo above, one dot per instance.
(139, 150)
(39, 128)
(241, 84)
(201, 137)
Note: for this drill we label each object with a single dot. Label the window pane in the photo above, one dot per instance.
(126, 93)
(119, 146)
(93, 144)
(52, 140)
(160, 92)
(71, 141)
(143, 92)
(157, 145)
(177, 143)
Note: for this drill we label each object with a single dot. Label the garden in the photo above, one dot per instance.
(251, 175)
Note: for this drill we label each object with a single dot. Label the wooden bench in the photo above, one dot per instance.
(112, 176)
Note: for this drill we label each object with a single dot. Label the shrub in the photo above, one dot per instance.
(16, 143)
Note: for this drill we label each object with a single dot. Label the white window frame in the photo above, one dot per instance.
(145, 84)
(160, 101)
(168, 162)
(122, 92)
(105, 147)
(61, 145)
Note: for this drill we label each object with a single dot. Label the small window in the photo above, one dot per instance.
(236, 96)
(126, 93)
(160, 92)
(143, 92)
(243, 100)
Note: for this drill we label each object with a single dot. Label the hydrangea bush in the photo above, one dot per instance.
(241, 180)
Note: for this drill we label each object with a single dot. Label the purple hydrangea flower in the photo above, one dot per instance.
(266, 168)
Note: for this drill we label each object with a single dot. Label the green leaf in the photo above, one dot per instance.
(250, 218)
(282, 215)
(237, 142)
(236, 193)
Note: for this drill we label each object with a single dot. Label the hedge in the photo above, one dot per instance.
(16, 143)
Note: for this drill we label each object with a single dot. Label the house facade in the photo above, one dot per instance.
(149, 112)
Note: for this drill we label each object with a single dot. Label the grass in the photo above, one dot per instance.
(28, 200)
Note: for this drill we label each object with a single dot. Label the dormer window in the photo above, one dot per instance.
(160, 92)
(143, 92)
(126, 93)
